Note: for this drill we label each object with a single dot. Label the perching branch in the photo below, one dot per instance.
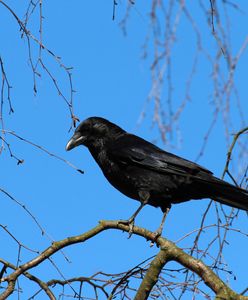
(168, 252)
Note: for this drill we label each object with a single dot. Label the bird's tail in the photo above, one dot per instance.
(228, 194)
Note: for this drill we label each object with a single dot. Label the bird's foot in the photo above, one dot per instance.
(156, 234)
(130, 223)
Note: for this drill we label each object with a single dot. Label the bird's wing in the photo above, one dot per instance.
(133, 150)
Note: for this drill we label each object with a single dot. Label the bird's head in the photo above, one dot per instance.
(94, 131)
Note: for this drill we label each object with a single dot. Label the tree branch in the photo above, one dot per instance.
(44, 286)
(152, 275)
(169, 251)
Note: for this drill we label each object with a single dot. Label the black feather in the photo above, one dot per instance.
(135, 167)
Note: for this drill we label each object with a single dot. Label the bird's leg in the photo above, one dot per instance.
(158, 232)
(144, 196)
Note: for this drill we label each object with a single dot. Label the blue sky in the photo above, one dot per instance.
(113, 81)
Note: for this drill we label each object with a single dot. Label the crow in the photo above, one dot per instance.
(144, 172)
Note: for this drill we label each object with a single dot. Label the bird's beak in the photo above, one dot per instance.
(77, 139)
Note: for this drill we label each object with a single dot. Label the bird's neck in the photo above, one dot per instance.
(99, 146)
(97, 151)
(100, 156)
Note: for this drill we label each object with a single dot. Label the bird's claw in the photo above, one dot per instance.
(156, 234)
(130, 223)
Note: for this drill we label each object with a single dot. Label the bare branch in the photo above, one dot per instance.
(169, 249)
(36, 146)
(152, 275)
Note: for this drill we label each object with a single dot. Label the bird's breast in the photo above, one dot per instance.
(118, 176)
(122, 181)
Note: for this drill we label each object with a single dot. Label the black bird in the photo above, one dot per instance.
(144, 172)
